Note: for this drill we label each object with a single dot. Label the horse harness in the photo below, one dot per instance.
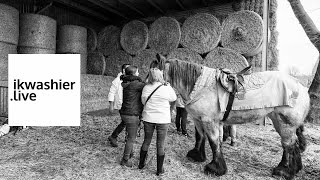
(234, 84)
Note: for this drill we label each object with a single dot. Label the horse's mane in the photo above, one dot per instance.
(185, 72)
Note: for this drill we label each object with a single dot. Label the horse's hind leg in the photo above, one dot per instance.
(198, 153)
(292, 144)
(218, 165)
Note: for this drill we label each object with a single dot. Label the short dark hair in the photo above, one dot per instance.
(124, 66)
(131, 70)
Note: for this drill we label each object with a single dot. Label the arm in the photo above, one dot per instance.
(171, 94)
(143, 96)
(112, 92)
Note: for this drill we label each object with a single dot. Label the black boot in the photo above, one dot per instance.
(160, 169)
(143, 157)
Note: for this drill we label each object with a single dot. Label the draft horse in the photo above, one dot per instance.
(205, 111)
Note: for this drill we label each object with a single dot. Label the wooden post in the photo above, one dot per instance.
(264, 67)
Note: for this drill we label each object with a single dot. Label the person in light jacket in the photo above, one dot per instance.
(156, 115)
(115, 102)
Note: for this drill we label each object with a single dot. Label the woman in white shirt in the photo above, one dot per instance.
(156, 115)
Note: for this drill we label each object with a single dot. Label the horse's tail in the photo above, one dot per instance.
(301, 139)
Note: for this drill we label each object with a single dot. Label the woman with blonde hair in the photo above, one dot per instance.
(156, 97)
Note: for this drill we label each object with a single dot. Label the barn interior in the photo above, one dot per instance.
(102, 30)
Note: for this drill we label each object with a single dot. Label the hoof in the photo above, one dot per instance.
(213, 168)
(283, 172)
(196, 156)
(234, 143)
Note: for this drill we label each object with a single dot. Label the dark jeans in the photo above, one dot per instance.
(181, 119)
(118, 129)
(132, 123)
(161, 129)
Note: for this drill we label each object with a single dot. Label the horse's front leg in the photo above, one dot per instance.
(198, 153)
(218, 165)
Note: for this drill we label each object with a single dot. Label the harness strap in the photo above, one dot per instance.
(229, 105)
(234, 78)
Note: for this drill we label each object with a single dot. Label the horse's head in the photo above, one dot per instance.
(180, 74)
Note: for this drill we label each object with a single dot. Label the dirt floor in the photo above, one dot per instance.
(84, 153)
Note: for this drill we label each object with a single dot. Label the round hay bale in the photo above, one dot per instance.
(226, 58)
(96, 63)
(143, 61)
(72, 39)
(242, 31)
(83, 63)
(109, 40)
(134, 37)
(37, 31)
(164, 35)
(201, 32)
(186, 55)
(92, 40)
(34, 50)
(5, 49)
(9, 26)
(115, 61)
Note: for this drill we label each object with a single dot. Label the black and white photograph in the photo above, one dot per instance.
(166, 89)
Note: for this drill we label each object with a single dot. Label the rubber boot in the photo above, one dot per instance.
(160, 169)
(143, 157)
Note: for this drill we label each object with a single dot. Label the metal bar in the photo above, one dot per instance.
(84, 9)
(108, 8)
(264, 67)
(45, 8)
(180, 5)
(156, 6)
(132, 8)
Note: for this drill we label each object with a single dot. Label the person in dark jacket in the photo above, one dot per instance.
(131, 109)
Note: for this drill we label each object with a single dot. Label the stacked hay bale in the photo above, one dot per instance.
(201, 32)
(94, 92)
(9, 35)
(96, 63)
(143, 61)
(257, 6)
(226, 58)
(242, 31)
(73, 40)
(114, 62)
(37, 34)
(186, 55)
(134, 37)
(92, 40)
(164, 35)
(109, 40)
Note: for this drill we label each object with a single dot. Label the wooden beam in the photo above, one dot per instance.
(84, 9)
(102, 4)
(180, 5)
(132, 8)
(156, 6)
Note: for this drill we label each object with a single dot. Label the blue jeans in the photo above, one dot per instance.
(132, 123)
(161, 129)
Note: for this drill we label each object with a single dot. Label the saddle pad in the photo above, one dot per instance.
(263, 89)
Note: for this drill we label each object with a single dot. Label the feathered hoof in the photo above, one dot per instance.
(216, 168)
(196, 156)
(283, 172)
